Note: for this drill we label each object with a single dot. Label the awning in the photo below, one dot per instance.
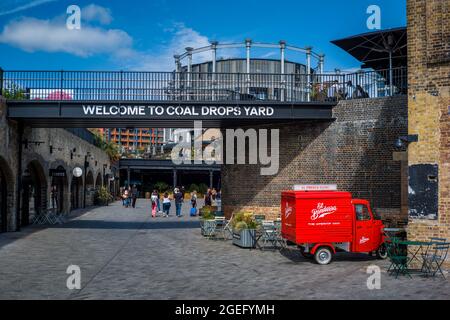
(376, 49)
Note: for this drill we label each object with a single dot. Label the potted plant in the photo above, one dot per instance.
(244, 229)
(207, 223)
(104, 197)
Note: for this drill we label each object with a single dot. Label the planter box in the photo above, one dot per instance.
(245, 238)
(207, 227)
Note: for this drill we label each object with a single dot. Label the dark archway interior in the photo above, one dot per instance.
(3, 202)
(75, 192)
(98, 181)
(59, 184)
(145, 179)
(34, 192)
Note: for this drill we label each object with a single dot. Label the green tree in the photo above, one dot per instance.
(161, 186)
(14, 92)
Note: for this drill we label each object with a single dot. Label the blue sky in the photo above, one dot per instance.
(144, 35)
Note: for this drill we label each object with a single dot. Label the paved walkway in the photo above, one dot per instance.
(125, 254)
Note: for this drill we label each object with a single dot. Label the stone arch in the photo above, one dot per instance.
(76, 191)
(60, 196)
(90, 188)
(98, 181)
(34, 191)
(7, 191)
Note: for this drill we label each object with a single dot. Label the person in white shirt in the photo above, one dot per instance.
(166, 204)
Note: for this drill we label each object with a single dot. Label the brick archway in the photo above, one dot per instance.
(98, 181)
(7, 187)
(34, 201)
(59, 190)
(76, 193)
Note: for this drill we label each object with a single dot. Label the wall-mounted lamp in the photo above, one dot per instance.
(404, 141)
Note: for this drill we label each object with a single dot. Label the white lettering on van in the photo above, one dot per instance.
(287, 210)
(363, 240)
(322, 211)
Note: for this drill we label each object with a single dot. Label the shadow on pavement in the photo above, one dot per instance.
(295, 256)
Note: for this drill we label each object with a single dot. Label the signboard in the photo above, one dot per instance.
(57, 173)
(169, 114)
(169, 111)
(315, 187)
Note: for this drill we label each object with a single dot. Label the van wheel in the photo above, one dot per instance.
(323, 255)
(382, 252)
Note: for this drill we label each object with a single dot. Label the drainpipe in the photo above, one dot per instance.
(86, 164)
(19, 175)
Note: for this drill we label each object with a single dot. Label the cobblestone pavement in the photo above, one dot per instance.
(125, 254)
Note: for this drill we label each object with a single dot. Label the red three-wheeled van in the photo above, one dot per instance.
(322, 223)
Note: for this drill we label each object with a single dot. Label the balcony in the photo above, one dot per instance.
(175, 100)
(183, 86)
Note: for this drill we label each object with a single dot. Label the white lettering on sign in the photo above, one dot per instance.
(315, 187)
(151, 110)
(322, 211)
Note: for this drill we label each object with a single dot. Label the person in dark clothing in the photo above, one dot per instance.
(134, 195)
(178, 201)
(208, 198)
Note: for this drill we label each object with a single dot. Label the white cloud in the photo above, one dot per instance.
(33, 35)
(13, 6)
(94, 12)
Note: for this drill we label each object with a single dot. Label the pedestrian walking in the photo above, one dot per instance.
(122, 190)
(158, 204)
(126, 198)
(207, 197)
(219, 200)
(194, 199)
(134, 195)
(154, 199)
(166, 204)
(178, 201)
(54, 192)
(214, 197)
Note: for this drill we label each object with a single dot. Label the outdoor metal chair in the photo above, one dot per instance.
(48, 216)
(268, 234)
(228, 229)
(435, 256)
(280, 239)
(399, 259)
(219, 225)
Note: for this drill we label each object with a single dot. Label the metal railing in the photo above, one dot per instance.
(172, 86)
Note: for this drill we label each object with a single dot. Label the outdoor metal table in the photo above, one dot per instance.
(414, 253)
(394, 229)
